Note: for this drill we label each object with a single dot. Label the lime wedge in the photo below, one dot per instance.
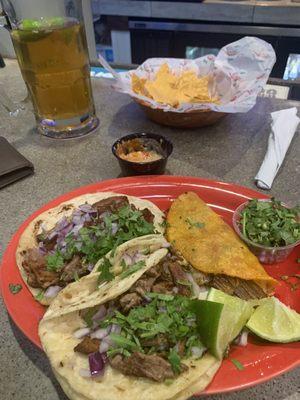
(220, 319)
(276, 322)
(233, 318)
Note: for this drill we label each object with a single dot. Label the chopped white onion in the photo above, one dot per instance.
(115, 329)
(52, 291)
(195, 286)
(100, 333)
(242, 340)
(85, 373)
(100, 314)
(127, 259)
(137, 257)
(166, 245)
(175, 289)
(197, 351)
(114, 228)
(104, 346)
(90, 267)
(80, 333)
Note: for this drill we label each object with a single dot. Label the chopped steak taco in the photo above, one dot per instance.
(212, 247)
(65, 242)
(134, 337)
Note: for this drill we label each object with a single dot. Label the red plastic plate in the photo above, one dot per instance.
(261, 360)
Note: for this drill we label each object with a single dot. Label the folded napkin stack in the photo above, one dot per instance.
(284, 125)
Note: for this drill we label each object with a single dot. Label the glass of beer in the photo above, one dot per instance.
(51, 48)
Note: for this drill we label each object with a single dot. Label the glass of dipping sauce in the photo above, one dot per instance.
(142, 153)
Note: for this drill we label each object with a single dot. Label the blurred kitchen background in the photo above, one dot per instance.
(127, 32)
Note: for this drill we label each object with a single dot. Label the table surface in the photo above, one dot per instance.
(231, 151)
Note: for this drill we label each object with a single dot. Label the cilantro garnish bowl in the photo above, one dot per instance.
(269, 228)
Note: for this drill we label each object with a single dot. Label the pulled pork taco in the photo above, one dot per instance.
(64, 243)
(211, 246)
(134, 337)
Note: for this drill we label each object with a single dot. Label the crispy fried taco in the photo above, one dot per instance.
(64, 243)
(212, 247)
(134, 337)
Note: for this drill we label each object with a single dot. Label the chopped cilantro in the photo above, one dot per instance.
(269, 223)
(132, 269)
(54, 261)
(237, 363)
(122, 341)
(88, 314)
(193, 224)
(76, 277)
(105, 275)
(14, 288)
(161, 296)
(95, 241)
(184, 282)
(170, 317)
(40, 295)
(174, 361)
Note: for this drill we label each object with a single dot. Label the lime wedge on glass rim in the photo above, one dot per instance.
(275, 322)
(220, 319)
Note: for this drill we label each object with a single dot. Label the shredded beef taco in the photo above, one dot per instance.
(64, 243)
(134, 337)
(212, 247)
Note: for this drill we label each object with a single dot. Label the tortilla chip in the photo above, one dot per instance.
(171, 89)
(210, 245)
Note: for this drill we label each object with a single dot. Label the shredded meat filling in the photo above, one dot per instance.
(34, 263)
(37, 274)
(72, 269)
(87, 345)
(162, 278)
(143, 365)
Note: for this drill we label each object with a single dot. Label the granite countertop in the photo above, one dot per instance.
(230, 151)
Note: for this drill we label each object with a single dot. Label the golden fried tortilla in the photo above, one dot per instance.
(210, 245)
(171, 89)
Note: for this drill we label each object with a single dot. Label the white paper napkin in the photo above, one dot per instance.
(284, 125)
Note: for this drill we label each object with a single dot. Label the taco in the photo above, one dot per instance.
(212, 247)
(134, 337)
(64, 243)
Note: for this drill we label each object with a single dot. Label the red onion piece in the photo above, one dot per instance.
(100, 314)
(96, 364)
(90, 267)
(86, 208)
(100, 333)
(162, 309)
(80, 333)
(52, 291)
(127, 259)
(195, 286)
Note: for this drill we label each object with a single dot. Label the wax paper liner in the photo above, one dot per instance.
(239, 72)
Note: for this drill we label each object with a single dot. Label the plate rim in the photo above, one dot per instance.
(117, 184)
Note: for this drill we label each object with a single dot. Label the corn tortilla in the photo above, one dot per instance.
(210, 245)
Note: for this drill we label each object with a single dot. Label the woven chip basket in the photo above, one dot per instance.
(191, 119)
